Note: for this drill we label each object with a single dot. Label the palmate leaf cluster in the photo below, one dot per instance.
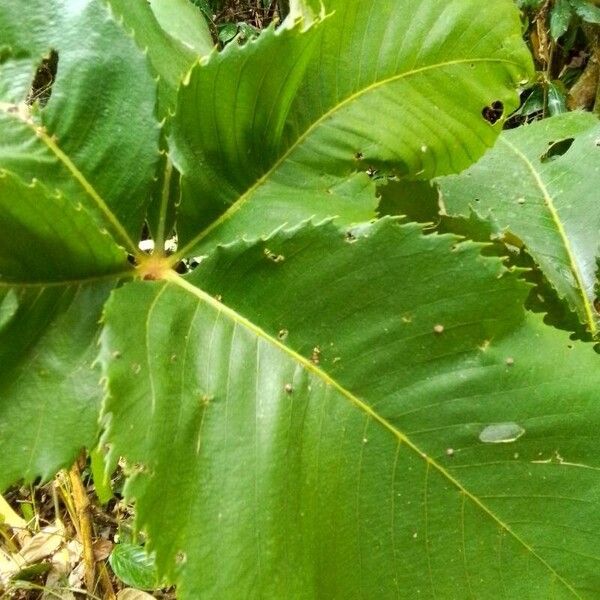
(337, 401)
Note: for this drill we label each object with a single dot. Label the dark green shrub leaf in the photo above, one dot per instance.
(557, 99)
(586, 10)
(560, 18)
(541, 183)
(133, 566)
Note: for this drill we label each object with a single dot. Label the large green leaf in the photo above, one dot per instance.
(401, 86)
(541, 183)
(77, 166)
(321, 416)
(49, 392)
(133, 566)
(56, 272)
(170, 59)
(97, 138)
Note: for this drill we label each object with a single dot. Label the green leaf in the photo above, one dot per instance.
(261, 137)
(69, 197)
(102, 92)
(560, 18)
(49, 392)
(320, 413)
(133, 566)
(541, 182)
(534, 102)
(557, 99)
(101, 478)
(227, 31)
(169, 59)
(46, 238)
(586, 10)
(325, 441)
(184, 22)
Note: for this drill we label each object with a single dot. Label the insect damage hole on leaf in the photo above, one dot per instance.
(557, 149)
(41, 87)
(273, 256)
(493, 113)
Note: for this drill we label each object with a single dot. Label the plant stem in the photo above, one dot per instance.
(105, 582)
(84, 525)
(161, 234)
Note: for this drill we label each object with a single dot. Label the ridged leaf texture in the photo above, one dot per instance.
(326, 407)
(372, 86)
(70, 143)
(391, 434)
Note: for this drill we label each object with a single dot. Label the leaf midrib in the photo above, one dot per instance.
(239, 203)
(549, 202)
(237, 318)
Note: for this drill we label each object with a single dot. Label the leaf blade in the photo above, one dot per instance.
(327, 131)
(49, 393)
(540, 200)
(34, 248)
(298, 435)
(69, 143)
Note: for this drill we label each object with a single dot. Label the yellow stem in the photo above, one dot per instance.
(82, 510)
